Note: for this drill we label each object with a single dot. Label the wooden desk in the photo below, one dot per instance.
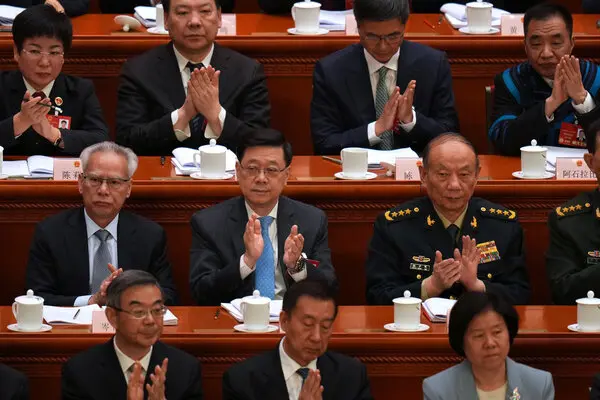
(99, 50)
(351, 207)
(394, 360)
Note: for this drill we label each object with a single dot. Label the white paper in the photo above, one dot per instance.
(15, 168)
(375, 157)
(234, 308)
(437, 308)
(8, 14)
(333, 20)
(147, 17)
(184, 160)
(65, 315)
(41, 165)
(554, 152)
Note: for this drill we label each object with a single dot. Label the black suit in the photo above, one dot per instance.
(58, 267)
(96, 374)
(13, 384)
(261, 378)
(73, 8)
(151, 89)
(342, 105)
(127, 6)
(215, 253)
(79, 102)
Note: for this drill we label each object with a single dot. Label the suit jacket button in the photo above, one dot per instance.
(489, 276)
(419, 276)
(452, 298)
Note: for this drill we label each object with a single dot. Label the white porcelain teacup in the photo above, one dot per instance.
(479, 16)
(355, 162)
(29, 311)
(588, 313)
(306, 16)
(407, 312)
(211, 159)
(255, 311)
(160, 17)
(533, 160)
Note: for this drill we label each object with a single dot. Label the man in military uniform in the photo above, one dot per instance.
(573, 257)
(417, 246)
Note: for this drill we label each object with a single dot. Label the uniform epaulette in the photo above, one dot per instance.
(400, 213)
(493, 211)
(573, 207)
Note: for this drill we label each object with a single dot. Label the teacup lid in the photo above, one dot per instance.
(213, 148)
(256, 298)
(307, 4)
(590, 299)
(407, 299)
(29, 298)
(534, 148)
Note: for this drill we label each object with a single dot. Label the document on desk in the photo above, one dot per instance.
(333, 20)
(554, 152)
(375, 157)
(34, 166)
(235, 309)
(83, 315)
(9, 13)
(437, 308)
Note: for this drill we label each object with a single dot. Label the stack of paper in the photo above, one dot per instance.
(183, 160)
(146, 15)
(333, 20)
(66, 315)
(456, 14)
(554, 152)
(8, 14)
(235, 309)
(35, 166)
(437, 309)
(375, 157)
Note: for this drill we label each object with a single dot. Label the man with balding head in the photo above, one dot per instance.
(448, 242)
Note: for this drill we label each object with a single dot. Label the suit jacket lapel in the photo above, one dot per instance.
(514, 380)
(112, 384)
(159, 353)
(327, 368)
(437, 236)
(405, 61)
(16, 91)
(358, 84)
(238, 218)
(126, 244)
(466, 383)
(76, 246)
(272, 377)
(285, 218)
(220, 61)
(169, 77)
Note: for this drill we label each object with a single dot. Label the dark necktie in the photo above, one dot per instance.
(196, 122)
(101, 259)
(303, 372)
(453, 232)
(39, 94)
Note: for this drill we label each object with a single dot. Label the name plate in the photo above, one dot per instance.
(351, 26)
(228, 25)
(573, 169)
(67, 169)
(100, 323)
(512, 25)
(407, 169)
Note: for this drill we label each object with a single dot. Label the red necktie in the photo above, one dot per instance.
(39, 94)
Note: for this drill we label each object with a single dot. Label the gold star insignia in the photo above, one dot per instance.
(394, 214)
(401, 213)
(492, 210)
(407, 211)
(572, 208)
(430, 221)
(474, 223)
(578, 207)
(559, 212)
(499, 212)
(565, 209)
(416, 209)
(506, 213)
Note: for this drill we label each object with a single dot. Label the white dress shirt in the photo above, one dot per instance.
(185, 78)
(390, 81)
(588, 104)
(93, 245)
(293, 381)
(126, 362)
(245, 270)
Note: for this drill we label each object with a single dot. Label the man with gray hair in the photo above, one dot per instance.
(133, 364)
(76, 253)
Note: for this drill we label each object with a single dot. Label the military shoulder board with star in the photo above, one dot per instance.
(400, 213)
(573, 208)
(498, 212)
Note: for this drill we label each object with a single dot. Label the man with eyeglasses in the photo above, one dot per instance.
(75, 254)
(260, 240)
(384, 93)
(191, 90)
(133, 364)
(37, 95)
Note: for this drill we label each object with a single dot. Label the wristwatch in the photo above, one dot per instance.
(58, 141)
(299, 266)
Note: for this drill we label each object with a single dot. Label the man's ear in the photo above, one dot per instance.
(111, 315)
(589, 160)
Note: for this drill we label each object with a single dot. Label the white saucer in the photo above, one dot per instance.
(155, 31)
(3, 177)
(575, 328)
(15, 328)
(519, 175)
(465, 29)
(369, 175)
(270, 328)
(321, 31)
(198, 175)
(392, 327)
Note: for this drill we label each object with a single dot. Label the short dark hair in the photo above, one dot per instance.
(381, 10)
(42, 21)
(264, 137)
(167, 3)
(126, 280)
(315, 288)
(545, 11)
(471, 304)
(591, 135)
(444, 138)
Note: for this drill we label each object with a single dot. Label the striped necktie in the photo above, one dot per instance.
(381, 97)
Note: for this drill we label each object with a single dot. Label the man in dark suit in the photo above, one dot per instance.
(73, 253)
(265, 241)
(134, 364)
(127, 6)
(449, 242)
(13, 384)
(72, 8)
(37, 95)
(301, 367)
(191, 90)
(383, 93)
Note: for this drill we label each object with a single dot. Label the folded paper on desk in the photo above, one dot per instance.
(8, 14)
(65, 315)
(235, 309)
(375, 157)
(333, 20)
(147, 17)
(554, 152)
(183, 160)
(456, 14)
(34, 166)
(437, 308)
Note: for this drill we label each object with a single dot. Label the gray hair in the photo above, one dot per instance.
(110, 147)
(126, 280)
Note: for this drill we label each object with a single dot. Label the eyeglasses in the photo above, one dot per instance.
(254, 171)
(392, 38)
(38, 54)
(141, 314)
(112, 183)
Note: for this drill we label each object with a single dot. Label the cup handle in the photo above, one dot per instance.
(243, 309)
(342, 156)
(294, 13)
(197, 163)
(14, 309)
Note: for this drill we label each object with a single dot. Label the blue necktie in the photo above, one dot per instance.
(265, 268)
(196, 122)
(303, 372)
